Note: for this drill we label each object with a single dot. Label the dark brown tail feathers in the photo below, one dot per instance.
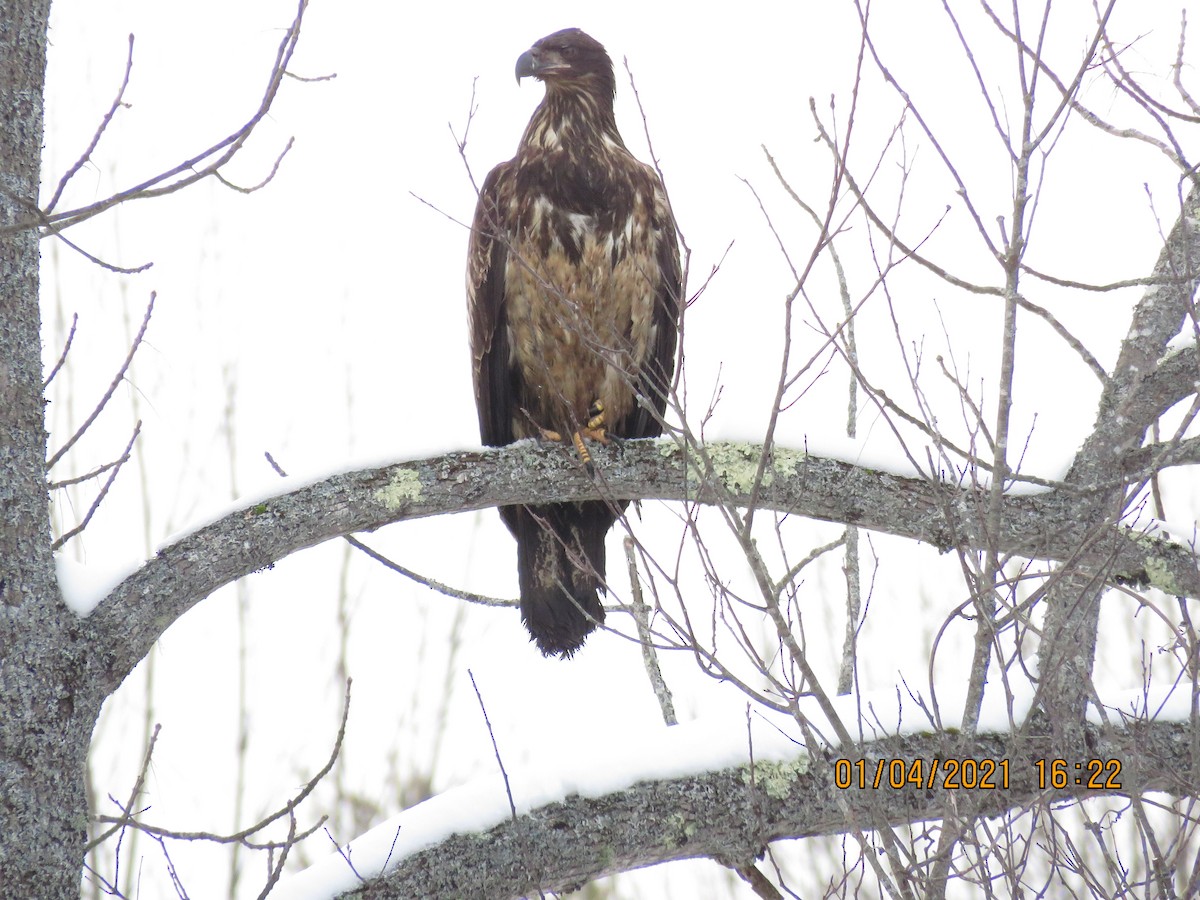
(560, 563)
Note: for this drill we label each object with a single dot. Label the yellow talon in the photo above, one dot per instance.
(596, 417)
(597, 427)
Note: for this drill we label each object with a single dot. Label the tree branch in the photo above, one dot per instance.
(1128, 403)
(252, 538)
(730, 816)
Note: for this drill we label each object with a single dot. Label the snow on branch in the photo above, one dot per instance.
(251, 538)
(732, 815)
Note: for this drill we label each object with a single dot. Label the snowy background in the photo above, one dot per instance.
(322, 320)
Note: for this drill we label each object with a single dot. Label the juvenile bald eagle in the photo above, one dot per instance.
(573, 290)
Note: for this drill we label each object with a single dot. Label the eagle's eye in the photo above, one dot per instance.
(567, 51)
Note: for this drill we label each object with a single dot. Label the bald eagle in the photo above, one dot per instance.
(574, 294)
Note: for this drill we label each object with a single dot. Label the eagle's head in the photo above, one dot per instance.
(569, 60)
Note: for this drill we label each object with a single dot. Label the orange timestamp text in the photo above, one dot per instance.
(954, 773)
(950, 774)
(1090, 774)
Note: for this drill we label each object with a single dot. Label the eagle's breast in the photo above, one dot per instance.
(579, 293)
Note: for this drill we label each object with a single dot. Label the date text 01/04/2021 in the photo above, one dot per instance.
(973, 774)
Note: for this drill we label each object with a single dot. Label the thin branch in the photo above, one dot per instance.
(1061, 330)
(1068, 94)
(118, 102)
(495, 748)
(432, 584)
(111, 267)
(267, 180)
(641, 617)
(62, 357)
(310, 79)
(201, 165)
(461, 143)
(116, 382)
(245, 835)
(136, 792)
(962, 193)
(81, 479)
(1177, 68)
(114, 469)
(903, 247)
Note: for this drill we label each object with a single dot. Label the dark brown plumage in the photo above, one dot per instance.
(573, 290)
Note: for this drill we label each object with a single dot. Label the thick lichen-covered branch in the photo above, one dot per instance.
(732, 815)
(1045, 526)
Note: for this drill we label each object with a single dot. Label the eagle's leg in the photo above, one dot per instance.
(596, 429)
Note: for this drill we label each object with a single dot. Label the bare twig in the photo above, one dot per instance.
(120, 376)
(641, 616)
(113, 468)
(111, 267)
(118, 102)
(136, 792)
(245, 835)
(267, 180)
(62, 357)
(432, 584)
(461, 143)
(197, 167)
(495, 749)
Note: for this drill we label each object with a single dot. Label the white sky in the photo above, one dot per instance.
(333, 301)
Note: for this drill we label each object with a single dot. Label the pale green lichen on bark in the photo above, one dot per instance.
(1161, 576)
(776, 778)
(402, 488)
(787, 462)
(694, 475)
(679, 830)
(1158, 570)
(667, 448)
(736, 465)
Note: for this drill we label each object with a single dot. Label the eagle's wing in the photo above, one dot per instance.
(658, 369)
(487, 259)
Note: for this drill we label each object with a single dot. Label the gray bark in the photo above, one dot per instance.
(731, 815)
(1132, 400)
(47, 704)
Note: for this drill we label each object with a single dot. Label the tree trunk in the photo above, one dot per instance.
(47, 706)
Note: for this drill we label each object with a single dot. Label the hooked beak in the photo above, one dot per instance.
(537, 63)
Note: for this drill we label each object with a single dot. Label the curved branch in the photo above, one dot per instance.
(1045, 526)
(729, 816)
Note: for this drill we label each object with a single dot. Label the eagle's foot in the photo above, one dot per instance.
(597, 426)
(547, 435)
(595, 420)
